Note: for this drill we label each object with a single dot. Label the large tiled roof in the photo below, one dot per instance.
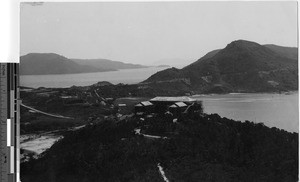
(180, 104)
(174, 99)
(145, 103)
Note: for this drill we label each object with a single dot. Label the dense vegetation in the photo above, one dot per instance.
(198, 148)
(81, 113)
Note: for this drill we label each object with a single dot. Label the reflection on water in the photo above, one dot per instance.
(274, 110)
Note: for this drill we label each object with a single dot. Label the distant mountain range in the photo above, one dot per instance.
(107, 64)
(50, 63)
(242, 66)
(172, 62)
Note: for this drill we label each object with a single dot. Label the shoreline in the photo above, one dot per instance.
(241, 93)
(200, 94)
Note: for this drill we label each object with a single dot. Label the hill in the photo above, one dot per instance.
(208, 148)
(289, 52)
(50, 63)
(242, 66)
(107, 64)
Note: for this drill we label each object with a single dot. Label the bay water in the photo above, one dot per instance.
(272, 109)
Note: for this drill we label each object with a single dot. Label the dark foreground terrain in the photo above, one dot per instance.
(113, 144)
(195, 148)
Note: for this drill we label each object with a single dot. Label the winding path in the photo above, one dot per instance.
(162, 172)
(138, 132)
(160, 168)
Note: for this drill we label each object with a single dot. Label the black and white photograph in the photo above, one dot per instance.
(168, 91)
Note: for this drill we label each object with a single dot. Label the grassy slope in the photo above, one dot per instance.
(242, 66)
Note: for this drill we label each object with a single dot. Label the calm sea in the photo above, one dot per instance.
(274, 110)
(127, 76)
(278, 110)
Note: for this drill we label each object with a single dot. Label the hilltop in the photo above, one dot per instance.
(50, 63)
(242, 66)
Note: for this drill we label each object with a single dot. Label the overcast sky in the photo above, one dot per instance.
(153, 32)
